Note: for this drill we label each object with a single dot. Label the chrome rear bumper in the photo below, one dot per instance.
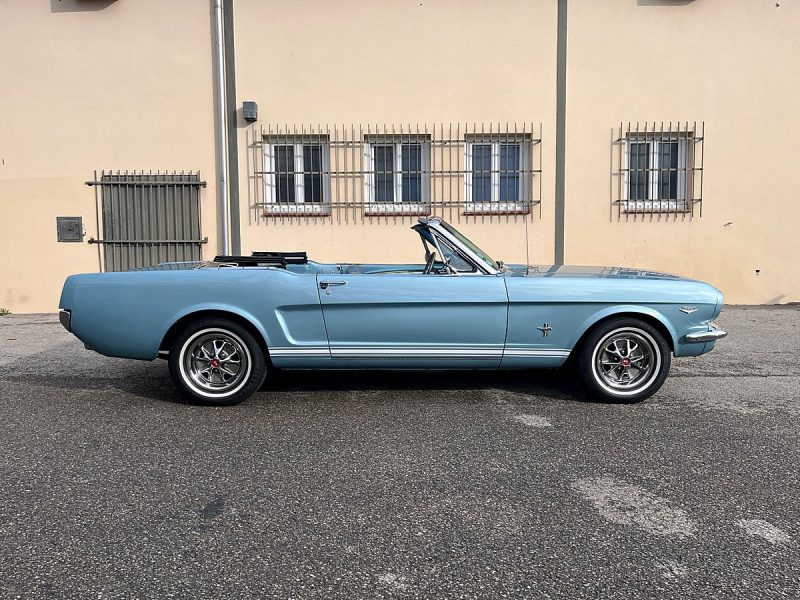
(714, 333)
(65, 317)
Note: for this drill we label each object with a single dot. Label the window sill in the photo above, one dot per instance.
(296, 210)
(497, 208)
(655, 207)
(396, 209)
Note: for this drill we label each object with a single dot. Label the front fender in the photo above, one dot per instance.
(626, 309)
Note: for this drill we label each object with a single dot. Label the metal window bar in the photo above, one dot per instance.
(659, 170)
(147, 218)
(427, 165)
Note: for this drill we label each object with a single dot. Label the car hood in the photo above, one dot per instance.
(578, 272)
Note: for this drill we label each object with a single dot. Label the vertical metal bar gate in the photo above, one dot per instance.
(148, 218)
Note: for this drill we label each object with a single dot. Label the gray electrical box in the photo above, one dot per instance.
(250, 111)
(70, 229)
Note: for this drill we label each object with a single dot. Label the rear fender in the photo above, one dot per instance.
(219, 308)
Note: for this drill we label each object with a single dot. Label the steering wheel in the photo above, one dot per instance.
(430, 258)
(447, 268)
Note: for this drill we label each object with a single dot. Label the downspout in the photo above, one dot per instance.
(233, 126)
(222, 128)
(561, 131)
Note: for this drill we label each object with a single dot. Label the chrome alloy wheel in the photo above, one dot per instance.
(215, 362)
(626, 361)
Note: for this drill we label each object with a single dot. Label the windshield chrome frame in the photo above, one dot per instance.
(434, 224)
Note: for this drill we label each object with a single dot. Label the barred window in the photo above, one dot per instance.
(497, 174)
(397, 174)
(297, 175)
(659, 170)
(364, 172)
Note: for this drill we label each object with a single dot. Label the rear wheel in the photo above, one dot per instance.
(216, 362)
(624, 360)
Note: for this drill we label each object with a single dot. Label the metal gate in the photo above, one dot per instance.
(147, 218)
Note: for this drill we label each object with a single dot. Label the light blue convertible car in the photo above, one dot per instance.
(224, 325)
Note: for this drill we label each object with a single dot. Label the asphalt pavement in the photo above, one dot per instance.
(406, 485)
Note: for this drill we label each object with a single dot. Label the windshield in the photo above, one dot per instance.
(470, 246)
(454, 259)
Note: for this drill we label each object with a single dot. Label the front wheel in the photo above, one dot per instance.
(624, 360)
(216, 362)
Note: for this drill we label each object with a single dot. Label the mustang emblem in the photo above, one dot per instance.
(688, 309)
(545, 329)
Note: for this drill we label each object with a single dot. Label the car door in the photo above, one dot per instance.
(414, 320)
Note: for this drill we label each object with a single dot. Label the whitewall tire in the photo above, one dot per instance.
(216, 362)
(624, 360)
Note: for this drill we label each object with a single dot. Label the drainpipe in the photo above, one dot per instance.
(561, 131)
(222, 127)
(234, 222)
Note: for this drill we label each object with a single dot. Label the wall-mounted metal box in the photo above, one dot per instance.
(70, 229)
(250, 111)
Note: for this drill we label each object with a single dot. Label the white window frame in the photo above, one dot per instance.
(299, 206)
(653, 203)
(494, 205)
(371, 207)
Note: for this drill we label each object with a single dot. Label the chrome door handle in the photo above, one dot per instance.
(324, 285)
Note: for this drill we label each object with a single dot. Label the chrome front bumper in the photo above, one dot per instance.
(713, 334)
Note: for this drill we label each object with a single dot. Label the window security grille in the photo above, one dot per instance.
(354, 173)
(296, 177)
(397, 174)
(493, 174)
(147, 218)
(659, 170)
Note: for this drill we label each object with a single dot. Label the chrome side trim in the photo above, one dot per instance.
(474, 352)
(544, 353)
(418, 352)
(306, 351)
(714, 333)
(414, 353)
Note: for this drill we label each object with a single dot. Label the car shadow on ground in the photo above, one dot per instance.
(151, 380)
(546, 383)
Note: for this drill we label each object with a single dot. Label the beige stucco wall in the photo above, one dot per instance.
(398, 62)
(731, 63)
(85, 86)
(129, 85)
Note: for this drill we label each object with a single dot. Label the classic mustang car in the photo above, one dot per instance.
(224, 325)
